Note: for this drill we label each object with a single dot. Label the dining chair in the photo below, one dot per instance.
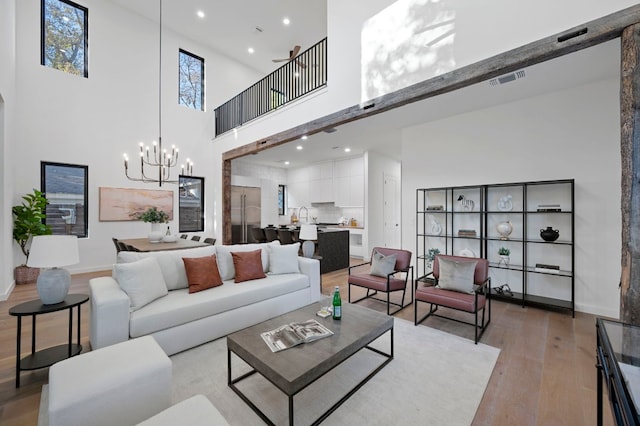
(285, 236)
(271, 234)
(258, 235)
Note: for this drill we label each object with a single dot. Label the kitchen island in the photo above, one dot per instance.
(333, 247)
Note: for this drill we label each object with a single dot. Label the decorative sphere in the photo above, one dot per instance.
(504, 229)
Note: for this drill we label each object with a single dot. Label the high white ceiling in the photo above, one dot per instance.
(229, 27)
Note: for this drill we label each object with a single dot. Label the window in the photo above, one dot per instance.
(281, 198)
(191, 204)
(191, 81)
(64, 36)
(66, 188)
(277, 98)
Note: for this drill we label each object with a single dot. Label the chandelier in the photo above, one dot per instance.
(161, 159)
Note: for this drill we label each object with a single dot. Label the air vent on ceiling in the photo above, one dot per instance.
(507, 78)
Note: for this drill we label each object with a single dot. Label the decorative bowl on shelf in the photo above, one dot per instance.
(549, 234)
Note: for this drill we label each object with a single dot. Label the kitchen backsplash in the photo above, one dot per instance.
(327, 214)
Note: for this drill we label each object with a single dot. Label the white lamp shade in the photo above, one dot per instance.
(308, 232)
(53, 251)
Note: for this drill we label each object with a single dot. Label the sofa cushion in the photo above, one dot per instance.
(179, 307)
(202, 273)
(170, 262)
(141, 280)
(248, 265)
(225, 261)
(284, 259)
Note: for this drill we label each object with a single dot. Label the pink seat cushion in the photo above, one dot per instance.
(452, 299)
(375, 282)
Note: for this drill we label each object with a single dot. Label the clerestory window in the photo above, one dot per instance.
(64, 36)
(191, 80)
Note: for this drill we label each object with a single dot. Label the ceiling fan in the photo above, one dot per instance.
(292, 56)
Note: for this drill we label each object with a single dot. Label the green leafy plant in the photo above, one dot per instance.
(431, 254)
(153, 215)
(28, 219)
(503, 251)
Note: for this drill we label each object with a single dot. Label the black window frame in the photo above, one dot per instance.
(182, 204)
(85, 10)
(282, 196)
(43, 187)
(202, 79)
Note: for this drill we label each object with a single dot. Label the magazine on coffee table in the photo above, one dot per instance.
(296, 333)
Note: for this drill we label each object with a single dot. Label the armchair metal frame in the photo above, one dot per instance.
(483, 289)
(402, 266)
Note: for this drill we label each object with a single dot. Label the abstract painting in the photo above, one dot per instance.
(125, 204)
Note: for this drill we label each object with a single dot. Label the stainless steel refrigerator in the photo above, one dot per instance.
(245, 213)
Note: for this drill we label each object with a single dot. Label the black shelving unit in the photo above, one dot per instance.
(481, 208)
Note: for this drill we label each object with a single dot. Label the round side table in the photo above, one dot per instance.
(46, 357)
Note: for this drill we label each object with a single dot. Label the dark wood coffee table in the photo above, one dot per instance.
(294, 369)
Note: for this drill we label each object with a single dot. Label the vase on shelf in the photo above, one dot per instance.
(504, 229)
(504, 260)
(157, 232)
(549, 234)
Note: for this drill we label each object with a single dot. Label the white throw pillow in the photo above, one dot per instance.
(225, 260)
(382, 265)
(141, 280)
(284, 259)
(456, 274)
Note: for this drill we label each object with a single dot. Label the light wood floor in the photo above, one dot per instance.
(545, 374)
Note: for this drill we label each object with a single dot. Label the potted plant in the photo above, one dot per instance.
(504, 253)
(28, 222)
(156, 218)
(431, 255)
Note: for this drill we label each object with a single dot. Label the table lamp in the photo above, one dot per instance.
(53, 251)
(308, 233)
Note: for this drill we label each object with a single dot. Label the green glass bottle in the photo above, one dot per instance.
(337, 304)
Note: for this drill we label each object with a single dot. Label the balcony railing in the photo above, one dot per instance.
(306, 73)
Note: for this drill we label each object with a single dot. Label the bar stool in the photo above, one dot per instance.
(285, 236)
(258, 235)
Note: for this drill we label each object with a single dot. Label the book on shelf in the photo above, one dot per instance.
(435, 208)
(549, 208)
(550, 269)
(293, 334)
(466, 233)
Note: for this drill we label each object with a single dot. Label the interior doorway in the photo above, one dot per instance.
(392, 211)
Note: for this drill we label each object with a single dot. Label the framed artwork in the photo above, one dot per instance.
(125, 204)
(66, 187)
(281, 198)
(191, 204)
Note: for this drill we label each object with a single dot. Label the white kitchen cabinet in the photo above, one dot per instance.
(321, 183)
(297, 194)
(348, 182)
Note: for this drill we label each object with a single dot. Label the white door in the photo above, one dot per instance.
(392, 211)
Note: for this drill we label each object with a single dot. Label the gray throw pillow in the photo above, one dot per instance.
(382, 265)
(457, 275)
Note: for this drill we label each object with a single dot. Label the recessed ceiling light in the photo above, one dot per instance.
(304, 137)
(250, 50)
(286, 21)
(347, 150)
(299, 147)
(200, 14)
(286, 163)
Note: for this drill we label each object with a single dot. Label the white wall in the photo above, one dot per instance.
(475, 21)
(93, 121)
(7, 136)
(567, 134)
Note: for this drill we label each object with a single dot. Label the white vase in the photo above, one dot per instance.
(504, 229)
(504, 260)
(156, 234)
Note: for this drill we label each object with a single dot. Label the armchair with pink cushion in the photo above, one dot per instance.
(388, 272)
(463, 284)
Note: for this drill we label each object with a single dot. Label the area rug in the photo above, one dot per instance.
(435, 378)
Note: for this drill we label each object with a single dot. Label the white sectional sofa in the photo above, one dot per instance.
(179, 320)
